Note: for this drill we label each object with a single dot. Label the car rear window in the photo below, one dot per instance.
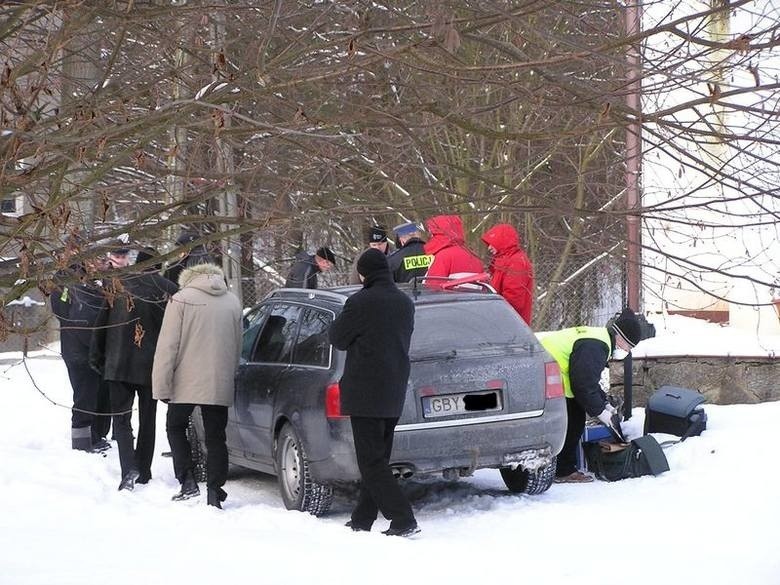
(467, 325)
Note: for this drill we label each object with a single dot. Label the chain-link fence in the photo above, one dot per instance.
(24, 325)
(588, 294)
(587, 291)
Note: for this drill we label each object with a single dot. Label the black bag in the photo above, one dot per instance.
(612, 462)
(675, 411)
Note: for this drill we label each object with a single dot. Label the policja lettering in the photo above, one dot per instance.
(422, 261)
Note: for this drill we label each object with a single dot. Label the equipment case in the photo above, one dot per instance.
(675, 411)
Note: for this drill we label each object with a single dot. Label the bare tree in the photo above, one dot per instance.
(285, 125)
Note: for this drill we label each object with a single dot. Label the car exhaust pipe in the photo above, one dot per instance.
(402, 472)
(450, 474)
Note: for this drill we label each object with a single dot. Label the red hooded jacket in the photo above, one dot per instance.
(448, 246)
(511, 270)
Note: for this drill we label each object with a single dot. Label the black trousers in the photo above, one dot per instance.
(140, 457)
(102, 424)
(379, 490)
(85, 383)
(567, 458)
(214, 423)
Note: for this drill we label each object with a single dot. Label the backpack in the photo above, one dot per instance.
(616, 461)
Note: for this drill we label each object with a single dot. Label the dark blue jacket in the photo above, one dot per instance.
(76, 303)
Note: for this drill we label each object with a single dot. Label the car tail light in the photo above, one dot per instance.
(333, 401)
(553, 385)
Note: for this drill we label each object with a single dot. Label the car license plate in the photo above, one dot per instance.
(462, 403)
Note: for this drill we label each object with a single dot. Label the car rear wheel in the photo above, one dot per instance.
(522, 481)
(299, 491)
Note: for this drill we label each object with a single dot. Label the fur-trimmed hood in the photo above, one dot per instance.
(208, 278)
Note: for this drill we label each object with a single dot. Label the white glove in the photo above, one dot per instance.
(610, 408)
(606, 415)
(612, 421)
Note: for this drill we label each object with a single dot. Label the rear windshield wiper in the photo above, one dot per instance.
(430, 357)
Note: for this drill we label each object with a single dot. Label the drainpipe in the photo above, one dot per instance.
(633, 15)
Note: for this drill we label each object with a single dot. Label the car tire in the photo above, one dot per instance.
(299, 491)
(198, 449)
(522, 481)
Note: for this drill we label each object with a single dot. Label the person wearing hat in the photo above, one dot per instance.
(410, 259)
(375, 329)
(191, 254)
(304, 271)
(376, 238)
(582, 353)
(76, 300)
(119, 257)
(122, 351)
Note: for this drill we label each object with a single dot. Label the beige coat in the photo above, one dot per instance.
(200, 341)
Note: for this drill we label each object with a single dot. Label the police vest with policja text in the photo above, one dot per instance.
(415, 262)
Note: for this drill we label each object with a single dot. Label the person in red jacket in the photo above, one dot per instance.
(512, 274)
(448, 247)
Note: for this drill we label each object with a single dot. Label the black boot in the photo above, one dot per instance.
(81, 438)
(215, 497)
(405, 532)
(128, 481)
(189, 488)
(100, 446)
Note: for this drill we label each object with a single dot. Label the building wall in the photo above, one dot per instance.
(723, 380)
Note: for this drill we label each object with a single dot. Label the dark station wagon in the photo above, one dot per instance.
(482, 393)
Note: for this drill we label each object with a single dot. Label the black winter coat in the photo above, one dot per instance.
(414, 248)
(587, 361)
(76, 305)
(303, 273)
(125, 338)
(375, 329)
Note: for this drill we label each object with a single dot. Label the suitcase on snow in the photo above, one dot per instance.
(675, 411)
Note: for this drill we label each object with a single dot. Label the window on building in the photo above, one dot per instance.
(8, 205)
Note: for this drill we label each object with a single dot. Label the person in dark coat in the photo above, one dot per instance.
(76, 300)
(376, 237)
(582, 353)
(410, 259)
(304, 271)
(122, 350)
(375, 328)
(188, 257)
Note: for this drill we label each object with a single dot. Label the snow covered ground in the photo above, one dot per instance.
(713, 518)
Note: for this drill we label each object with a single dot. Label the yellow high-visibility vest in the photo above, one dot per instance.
(560, 343)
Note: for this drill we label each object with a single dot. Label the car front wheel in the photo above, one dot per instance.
(522, 481)
(299, 491)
